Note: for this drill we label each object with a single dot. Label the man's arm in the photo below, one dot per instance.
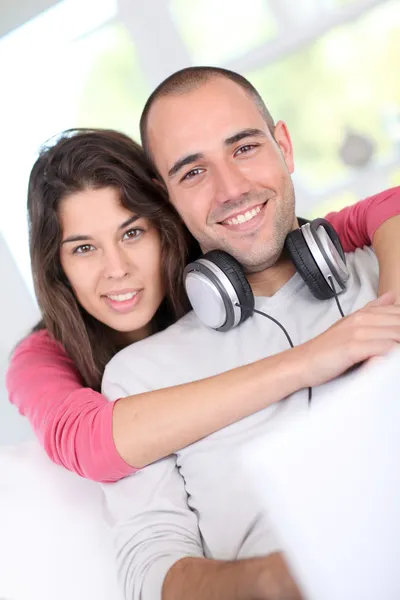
(152, 527)
(252, 579)
(159, 550)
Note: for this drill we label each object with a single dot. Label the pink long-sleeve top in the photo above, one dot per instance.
(74, 423)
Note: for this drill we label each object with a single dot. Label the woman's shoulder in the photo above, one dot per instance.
(39, 343)
(40, 357)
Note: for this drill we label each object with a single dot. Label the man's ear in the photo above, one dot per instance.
(282, 138)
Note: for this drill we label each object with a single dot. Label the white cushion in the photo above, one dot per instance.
(54, 540)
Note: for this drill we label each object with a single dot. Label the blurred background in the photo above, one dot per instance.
(329, 68)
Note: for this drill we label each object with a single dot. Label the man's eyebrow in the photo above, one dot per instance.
(182, 162)
(240, 135)
(190, 158)
(87, 238)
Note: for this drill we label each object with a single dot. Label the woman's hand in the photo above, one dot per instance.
(369, 332)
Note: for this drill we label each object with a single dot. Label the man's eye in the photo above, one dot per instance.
(246, 148)
(193, 173)
(84, 249)
(132, 234)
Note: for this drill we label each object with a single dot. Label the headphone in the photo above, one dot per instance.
(221, 296)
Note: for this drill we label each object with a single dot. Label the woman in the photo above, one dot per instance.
(107, 254)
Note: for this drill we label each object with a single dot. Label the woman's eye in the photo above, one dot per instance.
(84, 249)
(132, 234)
(193, 173)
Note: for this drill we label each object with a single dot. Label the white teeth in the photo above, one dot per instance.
(122, 297)
(247, 216)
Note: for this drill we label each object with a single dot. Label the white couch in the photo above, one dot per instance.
(54, 538)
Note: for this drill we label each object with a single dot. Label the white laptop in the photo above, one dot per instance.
(332, 486)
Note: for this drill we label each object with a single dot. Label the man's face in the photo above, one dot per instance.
(226, 175)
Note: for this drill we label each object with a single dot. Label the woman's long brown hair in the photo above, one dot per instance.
(82, 159)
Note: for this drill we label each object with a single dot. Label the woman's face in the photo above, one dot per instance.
(112, 259)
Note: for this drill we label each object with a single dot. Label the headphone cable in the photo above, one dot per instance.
(260, 312)
(330, 279)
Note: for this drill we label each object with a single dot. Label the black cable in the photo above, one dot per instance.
(330, 279)
(260, 312)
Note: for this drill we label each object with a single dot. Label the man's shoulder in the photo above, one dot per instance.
(363, 282)
(363, 258)
(162, 346)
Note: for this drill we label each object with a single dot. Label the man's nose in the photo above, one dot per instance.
(116, 264)
(231, 183)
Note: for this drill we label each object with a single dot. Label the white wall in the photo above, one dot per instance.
(18, 313)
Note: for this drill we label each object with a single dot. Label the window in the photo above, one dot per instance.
(336, 90)
(331, 77)
(73, 66)
(215, 32)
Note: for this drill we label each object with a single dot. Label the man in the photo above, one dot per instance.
(192, 526)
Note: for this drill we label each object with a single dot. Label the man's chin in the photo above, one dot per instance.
(257, 266)
(254, 261)
(254, 256)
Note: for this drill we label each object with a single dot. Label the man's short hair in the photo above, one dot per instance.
(189, 79)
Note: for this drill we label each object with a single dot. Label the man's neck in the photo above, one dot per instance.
(269, 281)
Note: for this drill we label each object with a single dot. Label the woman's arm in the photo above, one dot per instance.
(357, 224)
(374, 221)
(73, 423)
(386, 243)
(100, 440)
(97, 439)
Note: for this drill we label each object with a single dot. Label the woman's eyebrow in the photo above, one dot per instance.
(77, 238)
(129, 221)
(87, 238)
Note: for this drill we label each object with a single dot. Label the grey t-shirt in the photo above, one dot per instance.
(201, 501)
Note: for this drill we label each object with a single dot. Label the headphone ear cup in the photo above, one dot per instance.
(233, 270)
(331, 249)
(306, 265)
(331, 231)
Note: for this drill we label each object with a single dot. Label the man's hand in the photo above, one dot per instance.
(275, 581)
(369, 332)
